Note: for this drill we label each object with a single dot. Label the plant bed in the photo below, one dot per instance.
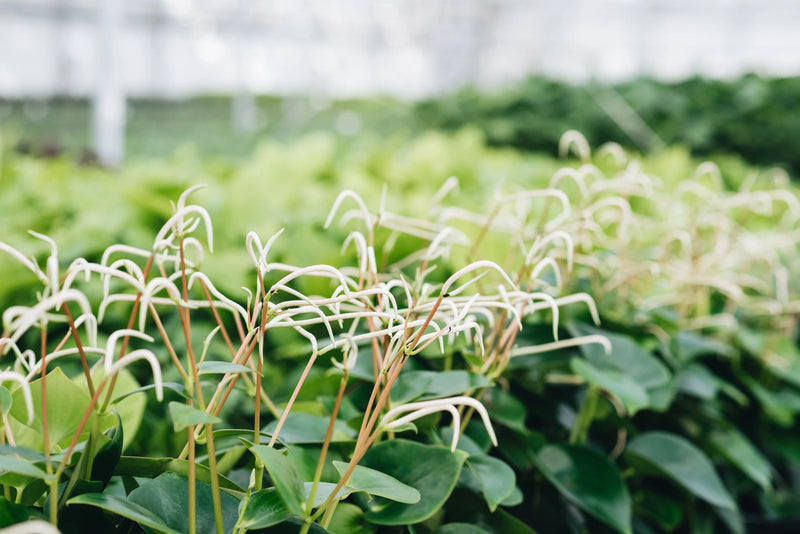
(613, 352)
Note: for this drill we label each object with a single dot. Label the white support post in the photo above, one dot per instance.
(108, 113)
(243, 106)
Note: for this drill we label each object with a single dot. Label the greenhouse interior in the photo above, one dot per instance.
(399, 266)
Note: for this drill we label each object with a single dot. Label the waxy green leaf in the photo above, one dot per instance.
(589, 480)
(284, 477)
(433, 472)
(681, 461)
(184, 416)
(379, 484)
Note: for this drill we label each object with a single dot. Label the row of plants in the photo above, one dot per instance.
(155, 128)
(750, 116)
(587, 346)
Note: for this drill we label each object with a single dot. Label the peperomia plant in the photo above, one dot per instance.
(453, 378)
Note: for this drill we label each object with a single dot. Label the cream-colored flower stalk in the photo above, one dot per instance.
(26, 389)
(420, 409)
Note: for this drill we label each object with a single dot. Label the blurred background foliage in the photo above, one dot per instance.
(751, 116)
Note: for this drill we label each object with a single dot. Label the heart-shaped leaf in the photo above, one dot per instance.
(349, 519)
(264, 509)
(495, 478)
(305, 428)
(432, 470)
(590, 480)
(684, 463)
(184, 416)
(167, 496)
(379, 484)
(284, 476)
(134, 512)
(106, 458)
(621, 385)
(734, 446)
(13, 513)
(626, 357)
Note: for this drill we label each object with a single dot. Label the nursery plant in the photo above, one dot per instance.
(612, 351)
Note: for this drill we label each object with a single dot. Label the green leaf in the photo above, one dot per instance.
(696, 380)
(732, 519)
(107, 457)
(284, 477)
(621, 385)
(449, 383)
(626, 357)
(12, 513)
(410, 385)
(737, 449)
(293, 525)
(168, 497)
(379, 484)
(121, 507)
(130, 409)
(590, 480)
(689, 345)
(502, 521)
(305, 428)
(465, 443)
(684, 463)
(221, 368)
(665, 512)
(505, 408)
(5, 400)
(514, 499)
(789, 355)
(349, 519)
(434, 472)
(184, 416)
(264, 509)
(180, 389)
(781, 406)
(324, 490)
(136, 466)
(495, 478)
(66, 403)
(19, 466)
(460, 528)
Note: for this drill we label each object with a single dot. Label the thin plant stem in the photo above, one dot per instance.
(79, 345)
(212, 466)
(53, 481)
(363, 442)
(257, 418)
(192, 501)
(289, 404)
(585, 416)
(327, 441)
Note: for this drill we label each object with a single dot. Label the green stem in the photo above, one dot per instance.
(212, 465)
(259, 475)
(585, 416)
(192, 489)
(53, 484)
(91, 443)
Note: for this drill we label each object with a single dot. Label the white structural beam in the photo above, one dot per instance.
(108, 111)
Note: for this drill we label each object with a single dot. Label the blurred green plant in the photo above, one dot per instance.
(751, 116)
